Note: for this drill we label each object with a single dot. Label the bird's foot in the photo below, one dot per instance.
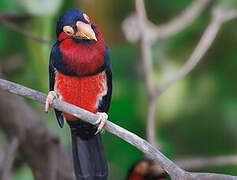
(103, 117)
(49, 100)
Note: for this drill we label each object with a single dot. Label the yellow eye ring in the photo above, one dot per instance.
(68, 30)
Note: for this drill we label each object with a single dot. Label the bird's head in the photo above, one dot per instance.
(76, 25)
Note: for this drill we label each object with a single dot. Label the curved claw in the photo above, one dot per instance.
(49, 100)
(103, 117)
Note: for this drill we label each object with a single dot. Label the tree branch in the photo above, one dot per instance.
(146, 58)
(149, 33)
(92, 118)
(15, 17)
(206, 162)
(209, 176)
(36, 143)
(172, 169)
(139, 27)
(17, 29)
(219, 17)
(154, 32)
(180, 22)
(145, 46)
(8, 159)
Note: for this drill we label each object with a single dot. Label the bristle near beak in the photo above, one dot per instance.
(84, 31)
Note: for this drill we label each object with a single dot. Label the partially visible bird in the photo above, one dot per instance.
(146, 169)
(80, 74)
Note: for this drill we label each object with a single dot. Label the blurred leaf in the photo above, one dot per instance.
(23, 174)
(7, 5)
(228, 4)
(40, 7)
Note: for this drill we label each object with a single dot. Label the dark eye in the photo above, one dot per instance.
(68, 30)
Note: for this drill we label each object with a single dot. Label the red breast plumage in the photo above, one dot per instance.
(84, 92)
(80, 73)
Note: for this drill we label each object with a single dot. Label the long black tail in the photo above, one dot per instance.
(88, 152)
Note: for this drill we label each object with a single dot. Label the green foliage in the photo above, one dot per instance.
(23, 174)
(6, 5)
(196, 116)
(228, 4)
(3, 40)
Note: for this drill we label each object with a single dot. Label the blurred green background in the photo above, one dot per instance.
(196, 117)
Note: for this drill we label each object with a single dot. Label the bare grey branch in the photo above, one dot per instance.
(219, 17)
(9, 158)
(17, 29)
(206, 162)
(180, 22)
(172, 169)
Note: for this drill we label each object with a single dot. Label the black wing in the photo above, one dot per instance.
(105, 102)
(55, 54)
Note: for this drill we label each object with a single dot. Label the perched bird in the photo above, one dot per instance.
(80, 74)
(146, 169)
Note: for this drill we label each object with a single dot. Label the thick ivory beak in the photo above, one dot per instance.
(84, 31)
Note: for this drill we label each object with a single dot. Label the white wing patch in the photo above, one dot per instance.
(104, 90)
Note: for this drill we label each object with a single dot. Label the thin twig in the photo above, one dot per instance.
(149, 33)
(219, 17)
(154, 32)
(177, 24)
(172, 169)
(8, 159)
(37, 143)
(13, 17)
(146, 58)
(145, 46)
(131, 138)
(206, 162)
(17, 29)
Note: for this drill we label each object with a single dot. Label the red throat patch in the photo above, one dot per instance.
(84, 92)
(82, 58)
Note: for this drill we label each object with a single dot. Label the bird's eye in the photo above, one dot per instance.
(86, 18)
(68, 30)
